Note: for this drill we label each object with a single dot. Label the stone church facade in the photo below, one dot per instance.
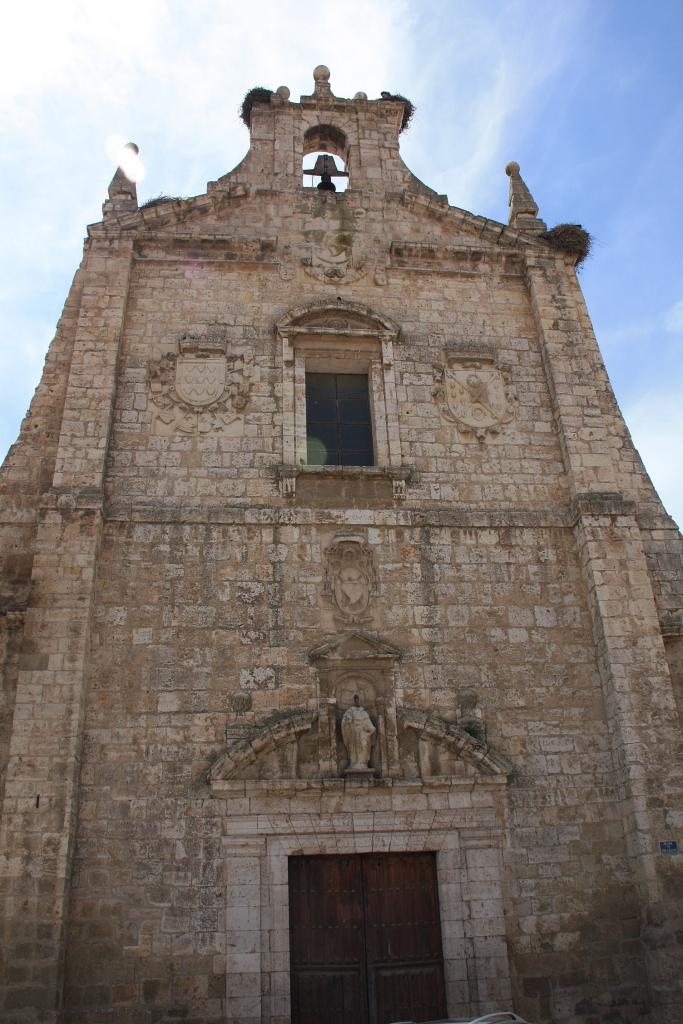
(335, 599)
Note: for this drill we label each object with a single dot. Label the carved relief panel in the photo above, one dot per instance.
(358, 729)
(334, 260)
(201, 388)
(473, 390)
(350, 579)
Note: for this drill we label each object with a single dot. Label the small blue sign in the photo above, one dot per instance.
(668, 846)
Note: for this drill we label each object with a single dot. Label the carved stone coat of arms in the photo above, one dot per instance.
(334, 260)
(475, 396)
(201, 388)
(200, 381)
(350, 578)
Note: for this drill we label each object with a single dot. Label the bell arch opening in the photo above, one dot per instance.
(325, 161)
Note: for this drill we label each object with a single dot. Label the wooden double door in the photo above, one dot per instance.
(365, 939)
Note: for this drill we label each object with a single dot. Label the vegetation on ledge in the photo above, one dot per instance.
(572, 239)
(256, 95)
(156, 200)
(408, 108)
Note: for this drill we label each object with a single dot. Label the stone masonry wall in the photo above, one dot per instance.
(188, 615)
(520, 467)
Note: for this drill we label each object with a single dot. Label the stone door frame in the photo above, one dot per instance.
(470, 885)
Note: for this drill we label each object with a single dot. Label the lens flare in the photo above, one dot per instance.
(125, 155)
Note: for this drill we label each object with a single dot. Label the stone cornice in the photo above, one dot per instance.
(601, 503)
(166, 511)
(165, 215)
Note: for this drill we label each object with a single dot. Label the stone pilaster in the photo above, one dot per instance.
(636, 684)
(90, 395)
(579, 422)
(41, 792)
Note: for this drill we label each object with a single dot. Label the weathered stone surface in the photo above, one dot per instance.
(187, 610)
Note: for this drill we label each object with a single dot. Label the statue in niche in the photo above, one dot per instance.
(357, 732)
(469, 716)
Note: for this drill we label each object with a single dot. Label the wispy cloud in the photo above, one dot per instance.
(491, 72)
(673, 318)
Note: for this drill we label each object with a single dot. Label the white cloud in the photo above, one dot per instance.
(673, 318)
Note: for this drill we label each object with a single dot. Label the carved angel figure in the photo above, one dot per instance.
(357, 732)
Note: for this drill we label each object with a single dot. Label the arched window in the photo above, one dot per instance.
(326, 155)
(340, 408)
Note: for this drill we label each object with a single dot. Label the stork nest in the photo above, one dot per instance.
(256, 95)
(408, 108)
(572, 239)
(156, 200)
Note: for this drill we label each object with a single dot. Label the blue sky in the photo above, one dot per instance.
(587, 97)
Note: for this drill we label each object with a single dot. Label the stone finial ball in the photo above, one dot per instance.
(321, 73)
(512, 168)
(283, 92)
(361, 96)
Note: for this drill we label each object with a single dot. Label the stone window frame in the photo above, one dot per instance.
(363, 342)
(468, 862)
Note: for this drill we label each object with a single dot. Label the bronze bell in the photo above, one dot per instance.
(325, 168)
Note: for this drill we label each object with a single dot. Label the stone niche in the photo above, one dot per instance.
(357, 730)
(357, 670)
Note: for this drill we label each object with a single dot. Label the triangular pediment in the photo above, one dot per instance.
(354, 646)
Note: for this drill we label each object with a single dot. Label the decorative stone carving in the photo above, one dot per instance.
(333, 261)
(357, 732)
(468, 714)
(434, 731)
(268, 750)
(356, 666)
(474, 393)
(287, 268)
(399, 485)
(350, 578)
(240, 702)
(201, 388)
